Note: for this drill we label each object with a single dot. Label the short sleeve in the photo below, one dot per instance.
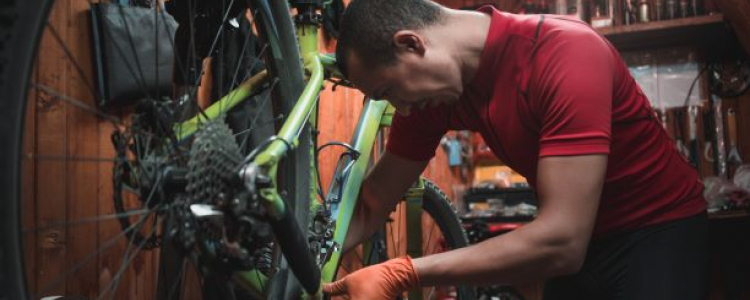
(416, 136)
(571, 93)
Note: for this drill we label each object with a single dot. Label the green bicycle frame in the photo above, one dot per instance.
(376, 114)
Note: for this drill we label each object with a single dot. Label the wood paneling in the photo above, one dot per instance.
(81, 176)
(52, 119)
(68, 174)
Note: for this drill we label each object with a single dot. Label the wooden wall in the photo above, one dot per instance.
(62, 191)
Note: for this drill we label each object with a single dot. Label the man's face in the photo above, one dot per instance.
(418, 79)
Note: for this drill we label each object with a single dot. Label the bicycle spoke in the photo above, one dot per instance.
(77, 66)
(123, 265)
(76, 103)
(435, 247)
(260, 110)
(219, 32)
(276, 119)
(242, 56)
(87, 220)
(359, 258)
(429, 237)
(125, 259)
(106, 245)
(343, 266)
(115, 282)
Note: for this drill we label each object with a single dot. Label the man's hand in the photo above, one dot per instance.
(384, 281)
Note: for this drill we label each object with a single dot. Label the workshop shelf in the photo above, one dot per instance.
(699, 31)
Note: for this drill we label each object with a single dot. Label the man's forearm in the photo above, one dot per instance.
(516, 257)
(382, 188)
(365, 220)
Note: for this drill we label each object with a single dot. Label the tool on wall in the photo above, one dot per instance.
(734, 157)
(678, 127)
(720, 152)
(692, 116)
(709, 140)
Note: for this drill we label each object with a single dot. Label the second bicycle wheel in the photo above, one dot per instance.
(440, 231)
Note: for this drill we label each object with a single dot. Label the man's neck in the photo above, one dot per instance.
(468, 33)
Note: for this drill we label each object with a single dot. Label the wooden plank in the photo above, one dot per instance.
(50, 174)
(82, 142)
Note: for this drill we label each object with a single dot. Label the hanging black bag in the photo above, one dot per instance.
(134, 54)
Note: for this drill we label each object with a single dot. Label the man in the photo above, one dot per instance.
(621, 214)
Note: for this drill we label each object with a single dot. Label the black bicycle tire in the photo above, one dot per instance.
(288, 60)
(21, 26)
(437, 205)
(20, 29)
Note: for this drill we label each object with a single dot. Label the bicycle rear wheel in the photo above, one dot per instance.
(441, 231)
(61, 231)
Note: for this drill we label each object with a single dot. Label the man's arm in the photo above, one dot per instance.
(555, 243)
(388, 180)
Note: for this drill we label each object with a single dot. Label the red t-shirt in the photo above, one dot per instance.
(551, 86)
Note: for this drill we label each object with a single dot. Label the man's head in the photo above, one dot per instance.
(392, 49)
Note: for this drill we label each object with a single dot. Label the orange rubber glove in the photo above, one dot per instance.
(383, 281)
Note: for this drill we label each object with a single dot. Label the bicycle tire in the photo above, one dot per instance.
(438, 207)
(23, 23)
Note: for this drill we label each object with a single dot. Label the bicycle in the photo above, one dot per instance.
(244, 216)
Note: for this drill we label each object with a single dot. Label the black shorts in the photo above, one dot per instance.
(665, 262)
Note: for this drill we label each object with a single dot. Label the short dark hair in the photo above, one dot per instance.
(368, 26)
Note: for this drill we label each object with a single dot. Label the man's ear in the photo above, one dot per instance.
(409, 41)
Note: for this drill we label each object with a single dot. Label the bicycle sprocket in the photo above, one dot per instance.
(238, 237)
(213, 164)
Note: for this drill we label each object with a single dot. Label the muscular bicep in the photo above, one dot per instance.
(569, 189)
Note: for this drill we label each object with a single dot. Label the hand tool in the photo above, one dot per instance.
(692, 133)
(719, 131)
(734, 157)
(678, 127)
